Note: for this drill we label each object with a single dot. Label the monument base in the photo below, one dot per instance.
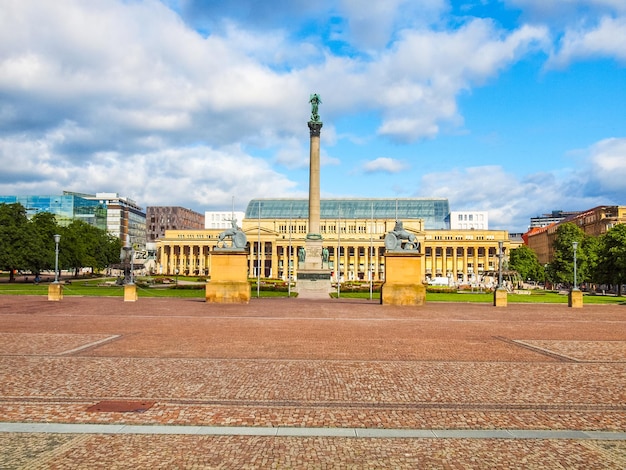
(314, 284)
(229, 278)
(55, 291)
(500, 297)
(575, 299)
(403, 279)
(228, 292)
(403, 294)
(130, 293)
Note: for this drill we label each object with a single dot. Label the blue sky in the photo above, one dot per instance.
(511, 106)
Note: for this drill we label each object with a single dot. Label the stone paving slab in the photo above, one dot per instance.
(99, 451)
(443, 385)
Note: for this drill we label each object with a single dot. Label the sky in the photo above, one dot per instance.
(515, 107)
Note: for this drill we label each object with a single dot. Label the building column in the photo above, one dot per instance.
(455, 264)
(465, 270)
(164, 259)
(475, 261)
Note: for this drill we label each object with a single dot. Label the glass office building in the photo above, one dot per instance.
(65, 207)
(434, 212)
(119, 216)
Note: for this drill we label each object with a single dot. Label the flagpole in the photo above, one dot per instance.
(258, 258)
(338, 257)
(371, 245)
(289, 254)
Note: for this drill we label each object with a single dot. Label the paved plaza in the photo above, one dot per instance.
(286, 383)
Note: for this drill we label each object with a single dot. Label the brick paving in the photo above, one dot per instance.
(318, 364)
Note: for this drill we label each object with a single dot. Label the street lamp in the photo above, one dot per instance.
(57, 239)
(575, 245)
(500, 264)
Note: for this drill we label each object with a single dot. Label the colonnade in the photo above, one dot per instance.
(463, 256)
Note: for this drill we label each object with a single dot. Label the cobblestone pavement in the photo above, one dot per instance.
(310, 364)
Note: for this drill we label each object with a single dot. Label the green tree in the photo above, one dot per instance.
(525, 262)
(88, 246)
(611, 266)
(39, 255)
(562, 267)
(13, 237)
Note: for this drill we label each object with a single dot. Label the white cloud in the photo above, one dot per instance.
(417, 82)
(607, 39)
(372, 27)
(384, 164)
(511, 200)
(606, 168)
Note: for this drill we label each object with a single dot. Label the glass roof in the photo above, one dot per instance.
(432, 211)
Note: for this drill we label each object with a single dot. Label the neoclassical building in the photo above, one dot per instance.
(353, 230)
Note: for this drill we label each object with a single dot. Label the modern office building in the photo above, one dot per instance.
(222, 219)
(65, 207)
(468, 220)
(593, 222)
(162, 218)
(353, 230)
(552, 218)
(120, 216)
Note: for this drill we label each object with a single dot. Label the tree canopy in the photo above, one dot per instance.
(28, 245)
(611, 259)
(525, 262)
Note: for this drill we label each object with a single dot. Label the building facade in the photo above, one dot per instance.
(125, 218)
(593, 222)
(468, 220)
(65, 207)
(119, 216)
(353, 231)
(162, 218)
(553, 218)
(222, 219)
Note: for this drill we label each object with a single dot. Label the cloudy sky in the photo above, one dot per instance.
(516, 107)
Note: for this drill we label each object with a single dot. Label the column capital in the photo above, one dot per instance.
(315, 128)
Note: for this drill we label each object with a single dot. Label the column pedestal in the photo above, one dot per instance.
(575, 299)
(55, 291)
(229, 278)
(130, 292)
(500, 297)
(403, 279)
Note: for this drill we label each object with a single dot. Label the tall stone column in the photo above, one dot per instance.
(313, 276)
(314, 179)
(313, 244)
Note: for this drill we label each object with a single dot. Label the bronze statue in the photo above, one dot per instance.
(315, 101)
(401, 239)
(237, 237)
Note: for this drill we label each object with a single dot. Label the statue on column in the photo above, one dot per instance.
(315, 101)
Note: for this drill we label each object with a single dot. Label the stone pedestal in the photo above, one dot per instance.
(575, 299)
(314, 284)
(130, 292)
(403, 279)
(55, 291)
(229, 278)
(500, 297)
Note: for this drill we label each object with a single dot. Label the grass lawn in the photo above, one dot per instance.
(104, 288)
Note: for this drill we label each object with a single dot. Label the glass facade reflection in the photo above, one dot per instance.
(66, 207)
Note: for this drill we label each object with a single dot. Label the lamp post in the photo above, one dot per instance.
(500, 264)
(500, 294)
(57, 239)
(575, 246)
